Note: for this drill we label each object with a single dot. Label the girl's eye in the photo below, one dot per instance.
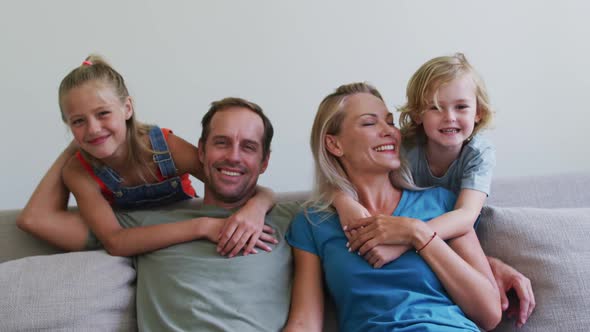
(104, 113)
(461, 107)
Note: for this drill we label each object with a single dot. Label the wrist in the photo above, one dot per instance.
(421, 235)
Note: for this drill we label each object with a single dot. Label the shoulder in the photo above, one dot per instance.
(479, 145)
(431, 197)
(288, 209)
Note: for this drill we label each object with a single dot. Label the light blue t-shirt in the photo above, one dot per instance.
(472, 170)
(404, 295)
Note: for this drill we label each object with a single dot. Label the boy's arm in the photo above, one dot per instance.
(348, 209)
(461, 220)
(244, 228)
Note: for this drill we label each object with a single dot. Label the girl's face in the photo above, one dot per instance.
(368, 139)
(96, 116)
(450, 123)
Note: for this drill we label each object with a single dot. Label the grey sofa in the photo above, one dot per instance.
(538, 224)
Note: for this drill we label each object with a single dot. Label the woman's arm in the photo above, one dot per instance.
(46, 215)
(307, 295)
(465, 273)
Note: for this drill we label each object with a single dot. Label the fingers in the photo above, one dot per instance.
(357, 223)
(267, 229)
(226, 233)
(523, 290)
(236, 243)
(503, 298)
(251, 242)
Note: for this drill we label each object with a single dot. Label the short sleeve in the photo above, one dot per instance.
(300, 234)
(479, 162)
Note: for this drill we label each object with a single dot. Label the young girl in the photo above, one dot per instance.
(117, 162)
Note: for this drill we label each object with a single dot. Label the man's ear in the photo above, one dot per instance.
(333, 145)
(265, 163)
(128, 108)
(201, 150)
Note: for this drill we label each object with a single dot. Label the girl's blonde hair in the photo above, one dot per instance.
(96, 69)
(424, 85)
(329, 173)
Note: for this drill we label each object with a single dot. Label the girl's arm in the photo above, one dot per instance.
(120, 241)
(243, 230)
(460, 220)
(307, 295)
(46, 214)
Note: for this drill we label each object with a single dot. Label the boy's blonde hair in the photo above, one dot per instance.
(424, 85)
(329, 173)
(96, 69)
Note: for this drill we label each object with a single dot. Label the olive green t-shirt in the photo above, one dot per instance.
(190, 287)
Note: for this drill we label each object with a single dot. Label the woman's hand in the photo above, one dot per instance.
(367, 233)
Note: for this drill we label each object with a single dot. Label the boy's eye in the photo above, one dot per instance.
(104, 113)
(76, 122)
(433, 108)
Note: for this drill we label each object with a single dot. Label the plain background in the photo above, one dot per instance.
(178, 56)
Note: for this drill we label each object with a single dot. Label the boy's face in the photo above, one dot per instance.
(450, 119)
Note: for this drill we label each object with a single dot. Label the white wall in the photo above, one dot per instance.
(178, 56)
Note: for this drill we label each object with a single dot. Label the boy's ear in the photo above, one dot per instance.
(128, 108)
(417, 118)
(333, 145)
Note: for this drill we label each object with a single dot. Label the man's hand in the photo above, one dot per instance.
(507, 279)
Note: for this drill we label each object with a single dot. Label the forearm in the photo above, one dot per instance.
(470, 287)
(453, 223)
(263, 201)
(142, 239)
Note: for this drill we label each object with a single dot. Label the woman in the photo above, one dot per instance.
(437, 286)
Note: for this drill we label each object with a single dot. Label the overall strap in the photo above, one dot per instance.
(162, 155)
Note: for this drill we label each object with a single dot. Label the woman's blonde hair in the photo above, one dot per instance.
(424, 85)
(96, 69)
(330, 176)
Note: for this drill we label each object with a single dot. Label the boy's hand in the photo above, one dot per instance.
(383, 254)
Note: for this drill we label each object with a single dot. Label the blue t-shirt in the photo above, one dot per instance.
(472, 170)
(404, 295)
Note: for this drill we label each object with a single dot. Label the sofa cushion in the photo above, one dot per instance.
(82, 291)
(550, 247)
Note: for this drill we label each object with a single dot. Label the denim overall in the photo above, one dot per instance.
(169, 190)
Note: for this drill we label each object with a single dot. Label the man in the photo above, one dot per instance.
(190, 286)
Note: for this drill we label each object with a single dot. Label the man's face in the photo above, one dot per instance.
(232, 156)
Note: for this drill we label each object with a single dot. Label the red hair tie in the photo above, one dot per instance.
(87, 63)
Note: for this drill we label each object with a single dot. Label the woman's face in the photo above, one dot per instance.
(368, 140)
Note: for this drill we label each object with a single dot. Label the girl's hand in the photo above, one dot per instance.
(244, 230)
(380, 229)
(383, 254)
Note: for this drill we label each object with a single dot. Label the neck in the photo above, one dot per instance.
(440, 158)
(215, 199)
(376, 193)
